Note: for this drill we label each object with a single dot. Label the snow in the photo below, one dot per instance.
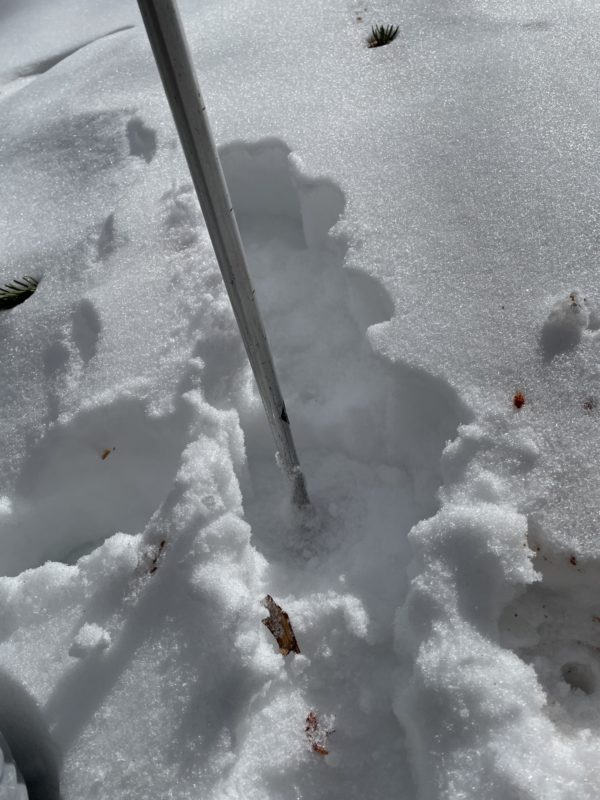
(89, 638)
(420, 222)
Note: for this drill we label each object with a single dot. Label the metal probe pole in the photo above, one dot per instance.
(172, 56)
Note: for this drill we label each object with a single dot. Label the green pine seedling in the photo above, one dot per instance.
(380, 35)
(16, 292)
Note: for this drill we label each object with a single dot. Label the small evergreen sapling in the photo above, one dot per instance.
(16, 292)
(381, 34)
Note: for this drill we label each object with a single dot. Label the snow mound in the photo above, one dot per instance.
(565, 325)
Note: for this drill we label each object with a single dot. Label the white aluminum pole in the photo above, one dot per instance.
(172, 55)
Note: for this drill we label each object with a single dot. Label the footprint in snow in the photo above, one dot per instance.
(565, 324)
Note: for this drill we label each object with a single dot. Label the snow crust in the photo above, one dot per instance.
(421, 226)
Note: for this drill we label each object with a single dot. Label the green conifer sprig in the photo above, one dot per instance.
(17, 291)
(381, 34)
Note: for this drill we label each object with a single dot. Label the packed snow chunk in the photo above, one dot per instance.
(226, 567)
(337, 609)
(206, 483)
(115, 560)
(564, 326)
(273, 755)
(91, 638)
(485, 547)
(472, 712)
(36, 593)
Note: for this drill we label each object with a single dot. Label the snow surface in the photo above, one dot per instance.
(421, 224)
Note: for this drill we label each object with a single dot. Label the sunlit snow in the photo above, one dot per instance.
(421, 223)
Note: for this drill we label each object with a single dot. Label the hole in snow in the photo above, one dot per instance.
(356, 417)
(339, 394)
(142, 140)
(564, 326)
(369, 435)
(86, 329)
(579, 676)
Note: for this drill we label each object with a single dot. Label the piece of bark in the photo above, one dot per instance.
(317, 734)
(280, 626)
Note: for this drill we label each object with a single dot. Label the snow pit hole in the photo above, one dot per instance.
(142, 139)
(103, 471)
(579, 676)
(265, 187)
(282, 209)
(344, 401)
